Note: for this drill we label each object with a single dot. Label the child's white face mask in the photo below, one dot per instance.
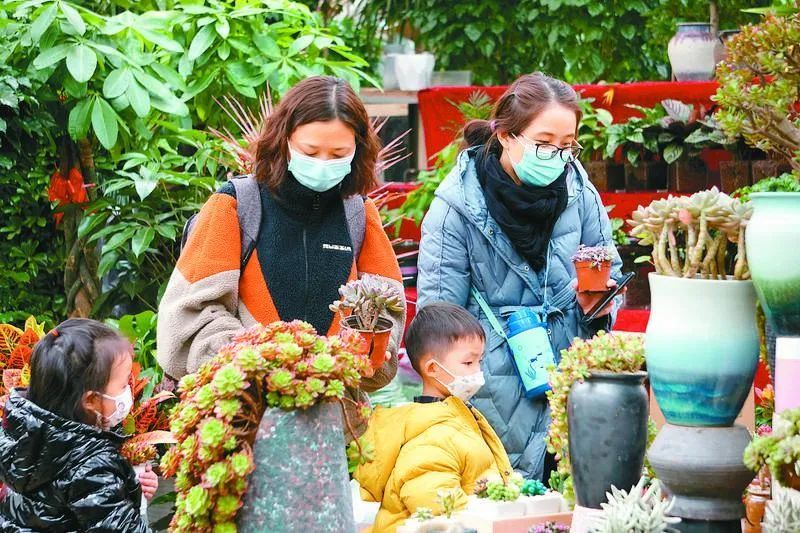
(123, 403)
(463, 387)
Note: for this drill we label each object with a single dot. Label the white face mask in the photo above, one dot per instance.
(123, 403)
(463, 387)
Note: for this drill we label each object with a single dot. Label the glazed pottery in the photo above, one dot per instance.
(691, 52)
(702, 469)
(607, 415)
(773, 255)
(702, 348)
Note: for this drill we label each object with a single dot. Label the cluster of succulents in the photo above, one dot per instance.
(608, 352)
(778, 450)
(500, 490)
(596, 255)
(533, 487)
(690, 234)
(640, 510)
(367, 299)
(281, 365)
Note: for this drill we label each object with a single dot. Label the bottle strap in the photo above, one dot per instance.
(489, 314)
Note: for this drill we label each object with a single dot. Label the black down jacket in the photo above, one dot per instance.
(62, 475)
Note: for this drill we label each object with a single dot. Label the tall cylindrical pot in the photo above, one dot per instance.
(691, 52)
(773, 254)
(702, 348)
(607, 415)
(301, 481)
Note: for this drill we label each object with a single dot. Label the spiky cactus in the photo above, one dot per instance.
(690, 235)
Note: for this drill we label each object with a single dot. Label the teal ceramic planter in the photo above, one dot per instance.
(773, 253)
(702, 348)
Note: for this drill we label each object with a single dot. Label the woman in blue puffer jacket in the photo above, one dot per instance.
(504, 226)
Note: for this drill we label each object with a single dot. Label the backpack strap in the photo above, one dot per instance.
(356, 216)
(248, 210)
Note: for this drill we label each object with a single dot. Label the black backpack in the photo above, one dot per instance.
(248, 211)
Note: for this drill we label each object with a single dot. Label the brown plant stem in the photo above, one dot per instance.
(673, 249)
(741, 257)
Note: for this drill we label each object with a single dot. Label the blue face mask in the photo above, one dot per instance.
(319, 175)
(533, 170)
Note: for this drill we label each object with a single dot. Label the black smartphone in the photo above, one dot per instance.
(610, 295)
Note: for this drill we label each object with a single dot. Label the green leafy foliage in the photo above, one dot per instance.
(783, 183)
(579, 41)
(31, 280)
(134, 84)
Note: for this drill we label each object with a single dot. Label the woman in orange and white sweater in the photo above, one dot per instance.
(316, 153)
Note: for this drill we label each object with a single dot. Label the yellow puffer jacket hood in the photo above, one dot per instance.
(421, 449)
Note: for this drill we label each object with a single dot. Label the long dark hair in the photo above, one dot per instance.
(74, 358)
(319, 98)
(522, 102)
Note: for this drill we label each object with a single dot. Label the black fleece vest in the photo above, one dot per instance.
(305, 251)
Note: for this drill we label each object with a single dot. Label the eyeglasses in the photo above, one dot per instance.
(546, 151)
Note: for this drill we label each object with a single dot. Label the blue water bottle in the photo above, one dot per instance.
(531, 350)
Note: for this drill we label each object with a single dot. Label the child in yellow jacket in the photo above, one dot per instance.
(439, 442)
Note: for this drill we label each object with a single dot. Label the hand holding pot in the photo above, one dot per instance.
(149, 482)
(587, 300)
(369, 372)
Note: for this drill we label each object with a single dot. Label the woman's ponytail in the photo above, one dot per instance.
(477, 133)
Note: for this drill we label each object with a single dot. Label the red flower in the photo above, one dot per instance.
(65, 191)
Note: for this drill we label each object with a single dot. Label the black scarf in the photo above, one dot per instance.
(525, 213)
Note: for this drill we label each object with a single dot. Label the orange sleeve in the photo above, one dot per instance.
(215, 244)
(377, 256)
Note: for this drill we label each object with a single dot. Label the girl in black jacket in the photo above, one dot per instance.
(59, 459)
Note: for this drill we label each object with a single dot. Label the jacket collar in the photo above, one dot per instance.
(462, 191)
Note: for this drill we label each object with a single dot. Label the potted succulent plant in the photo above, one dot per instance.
(593, 267)
(782, 514)
(258, 429)
(425, 521)
(701, 369)
(602, 374)
(779, 450)
(639, 509)
(363, 307)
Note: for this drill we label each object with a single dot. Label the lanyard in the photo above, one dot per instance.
(487, 310)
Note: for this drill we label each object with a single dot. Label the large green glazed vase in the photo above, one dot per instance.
(702, 348)
(773, 254)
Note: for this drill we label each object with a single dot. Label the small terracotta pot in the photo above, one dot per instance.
(755, 504)
(377, 341)
(593, 278)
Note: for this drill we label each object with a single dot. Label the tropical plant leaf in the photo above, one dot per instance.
(9, 337)
(104, 123)
(81, 62)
